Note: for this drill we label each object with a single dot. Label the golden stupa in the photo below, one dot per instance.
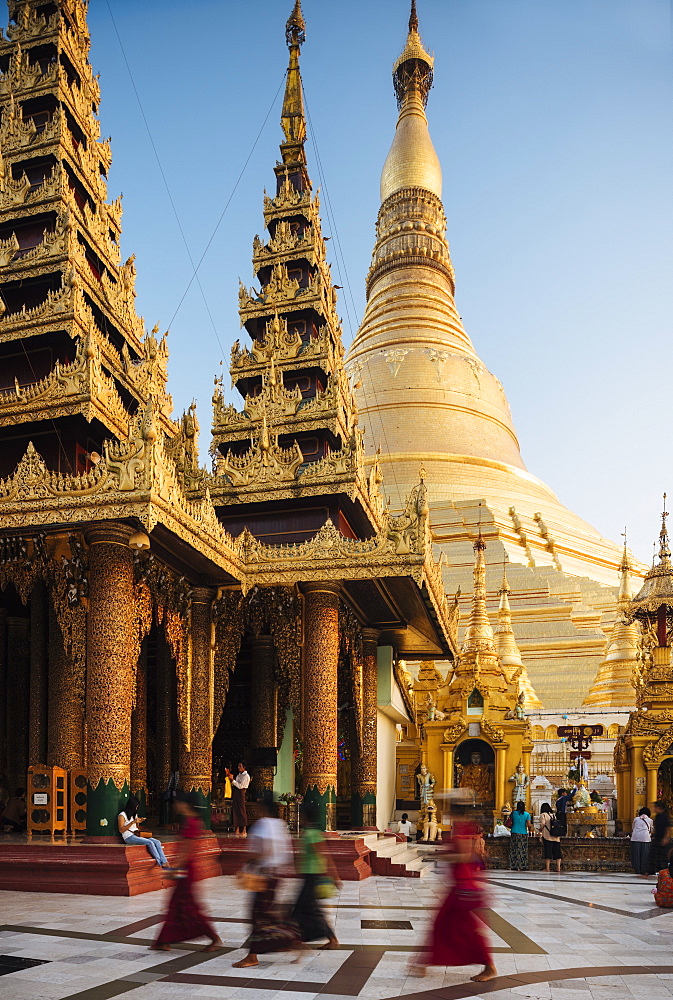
(425, 397)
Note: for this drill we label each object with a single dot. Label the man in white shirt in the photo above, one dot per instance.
(239, 813)
(269, 852)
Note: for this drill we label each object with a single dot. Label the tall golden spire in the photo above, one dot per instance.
(612, 686)
(293, 120)
(479, 634)
(508, 650)
(412, 160)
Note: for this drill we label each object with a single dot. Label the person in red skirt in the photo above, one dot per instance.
(456, 937)
(184, 918)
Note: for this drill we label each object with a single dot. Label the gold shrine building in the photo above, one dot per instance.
(156, 616)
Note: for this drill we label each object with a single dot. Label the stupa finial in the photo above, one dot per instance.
(413, 17)
(664, 546)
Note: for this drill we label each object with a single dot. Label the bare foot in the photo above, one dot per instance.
(214, 944)
(488, 972)
(160, 947)
(246, 962)
(331, 945)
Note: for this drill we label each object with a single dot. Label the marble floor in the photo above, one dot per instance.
(569, 937)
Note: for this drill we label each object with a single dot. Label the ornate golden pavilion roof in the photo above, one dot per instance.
(657, 588)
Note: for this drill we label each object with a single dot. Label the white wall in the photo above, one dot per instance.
(386, 735)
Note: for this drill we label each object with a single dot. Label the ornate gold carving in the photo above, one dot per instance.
(655, 752)
(112, 654)
(264, 462)
(229, 620)
(196, 750)
(320, 688)
(453, 733)
(491, 732)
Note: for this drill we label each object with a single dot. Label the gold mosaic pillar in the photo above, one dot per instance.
(16, 707)
(37, 712)
(501, 782)
(319, 729)
(65, 729)
(264, 705)
(3, 691)
(139, 734)
(196, 764)
(164, 723)
(365, 761)
(110, 685)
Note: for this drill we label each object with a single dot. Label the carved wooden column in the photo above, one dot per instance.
(65, 730)
(37, 712)
(18, 674)
(3, 691)
(319, 730)
(139, 734)
(112, 652)
(264, 705)
(164, 723)
(196, 762)
(364, 762)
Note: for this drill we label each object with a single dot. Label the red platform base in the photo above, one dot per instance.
(350, 854)
(93, 869)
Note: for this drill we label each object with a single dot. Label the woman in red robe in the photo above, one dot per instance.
(456, 937)
(184, 917)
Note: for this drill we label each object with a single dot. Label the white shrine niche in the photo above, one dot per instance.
(541, 790)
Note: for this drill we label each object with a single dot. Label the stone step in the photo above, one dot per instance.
(390, 856)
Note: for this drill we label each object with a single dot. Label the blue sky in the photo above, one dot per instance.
(553, 122)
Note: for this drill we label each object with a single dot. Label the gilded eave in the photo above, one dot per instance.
(289, 353)
(289, 202)
(134, 479)
(79, 387)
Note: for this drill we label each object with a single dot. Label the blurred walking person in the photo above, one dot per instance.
(319, 874)
(269, 853)
(661, 839)
(456, 937)
(185, 919)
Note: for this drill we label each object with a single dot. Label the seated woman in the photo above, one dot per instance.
(127, 821)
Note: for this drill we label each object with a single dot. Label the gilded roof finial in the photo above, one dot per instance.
(412, 72)
(292, 117)
(413, 17)
(295, 29)
(664, 548)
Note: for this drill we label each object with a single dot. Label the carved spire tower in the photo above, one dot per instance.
(297, 435)
(74, 361)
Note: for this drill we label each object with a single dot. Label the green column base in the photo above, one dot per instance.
(363, 809)
(203, 799)
(325, 804)
(104, 803)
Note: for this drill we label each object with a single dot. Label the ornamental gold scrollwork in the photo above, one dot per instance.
(655, 752)
(453, 733)
(493, 733)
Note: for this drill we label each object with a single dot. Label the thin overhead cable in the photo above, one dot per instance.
(340, 262)
(195, 267)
